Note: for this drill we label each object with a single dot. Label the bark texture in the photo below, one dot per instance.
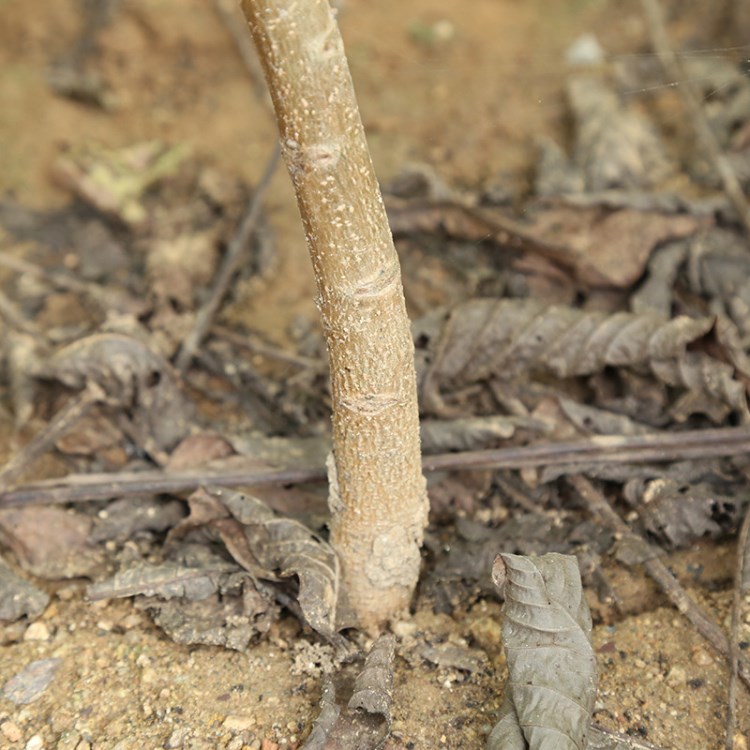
(377, 497)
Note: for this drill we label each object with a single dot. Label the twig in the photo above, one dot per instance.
(76, 408)
(676, 71)
(244, 341)
(655, 448)
(734, 636)
(684, 603)
(59, 280)
(229, 266)
(730, 441)
(245, 49)
(14, 317)
(87, 487)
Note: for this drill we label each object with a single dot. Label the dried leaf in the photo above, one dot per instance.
(614, 146)
(62, 554)
(197, 598)
(611, 248)
(285, 547)
(198, 450)
(325, 721)
(235, 615)
(168, 581)
(472, 433)
(133, 378)
(551, 686)
(485, 339)
(366, 722)
(115, 180)
(19, 598)
(679, 513)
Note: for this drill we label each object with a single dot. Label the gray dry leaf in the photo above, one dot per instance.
(504, 339)
(679, 513)
(200, 599)
(615, 148)
(134, 379)
(366, 721)
(551, 688)
(19, 598)
(167, 581)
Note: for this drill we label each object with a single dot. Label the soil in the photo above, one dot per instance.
(468, 96)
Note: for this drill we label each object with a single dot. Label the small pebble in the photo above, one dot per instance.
(11, 731)
(237, 723)
(35, 743)
(37, 631)
(676, 676)
(29, 684)
(701, 657)
(177, 738)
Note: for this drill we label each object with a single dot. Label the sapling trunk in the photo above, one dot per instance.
(377, 494)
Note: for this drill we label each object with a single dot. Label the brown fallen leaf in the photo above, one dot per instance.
(274, 548)
(50, 542)
(611, 248)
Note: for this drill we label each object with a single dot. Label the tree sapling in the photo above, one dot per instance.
(377, 491)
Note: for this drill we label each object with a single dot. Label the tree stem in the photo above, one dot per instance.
(377, 498)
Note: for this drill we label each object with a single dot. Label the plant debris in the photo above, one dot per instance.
(549, 697)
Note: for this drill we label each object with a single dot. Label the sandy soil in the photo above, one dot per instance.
(470, 105)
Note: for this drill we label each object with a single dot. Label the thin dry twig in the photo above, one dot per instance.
(69, 415)
(734, 636)
(676, 71)
(684, 603)
(14, 317)
(657, 448)
(244, 341)
(58, 279)
(229, 267)
(233, 23)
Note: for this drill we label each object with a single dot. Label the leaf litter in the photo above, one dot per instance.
(611, 308)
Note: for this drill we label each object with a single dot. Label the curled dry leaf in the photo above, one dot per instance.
(503, 339)
(366, 721)
(551, 687)
(133, 378)
(286, 548)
